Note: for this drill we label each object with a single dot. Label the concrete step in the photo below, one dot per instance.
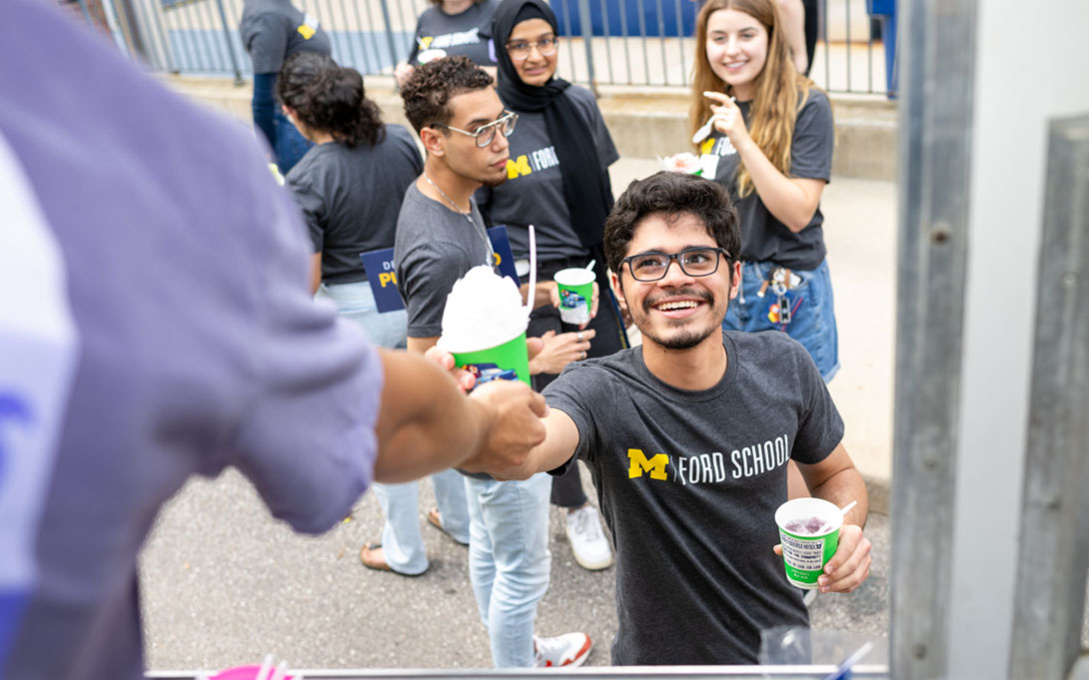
(645, 122)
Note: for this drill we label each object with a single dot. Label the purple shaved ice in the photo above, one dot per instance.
(809, 526)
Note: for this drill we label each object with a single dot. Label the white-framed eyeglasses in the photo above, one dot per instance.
(485, 134)
(520, 49)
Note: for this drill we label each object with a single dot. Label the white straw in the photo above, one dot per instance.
(281, 671)
(266, 666)
(531, 294)
(854, 658)
(590, 267)
(844, 510)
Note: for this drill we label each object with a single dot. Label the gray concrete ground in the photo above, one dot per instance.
(224, 584)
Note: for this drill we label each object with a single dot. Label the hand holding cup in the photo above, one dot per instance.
(560, 350)
(465, 380)
(511, 427)
(576, 295)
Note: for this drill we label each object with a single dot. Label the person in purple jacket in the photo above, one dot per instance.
(155, 323)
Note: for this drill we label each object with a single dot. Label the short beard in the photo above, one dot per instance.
(682, 341)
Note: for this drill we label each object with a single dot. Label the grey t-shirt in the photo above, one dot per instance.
(435, 246)
(218, 357)
(533, 193)
(273, 30)
(688, 483)
(466, 34)
(763, 237)
(351, 198)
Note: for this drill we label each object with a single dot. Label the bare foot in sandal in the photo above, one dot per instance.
(434, 518)
(372, 557)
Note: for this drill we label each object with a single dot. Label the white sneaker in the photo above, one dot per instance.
(588, 542)
(569, 650)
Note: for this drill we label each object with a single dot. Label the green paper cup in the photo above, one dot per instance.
(508, 361)
(576, 293)
(809, 533)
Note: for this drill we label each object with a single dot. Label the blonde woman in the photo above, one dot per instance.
(770, 143)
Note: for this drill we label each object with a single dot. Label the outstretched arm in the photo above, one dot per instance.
(560, 443)
(426, 424)
(561, 435)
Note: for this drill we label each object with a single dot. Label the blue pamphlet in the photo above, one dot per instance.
(382, 275)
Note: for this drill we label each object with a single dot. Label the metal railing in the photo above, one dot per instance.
(608, 42)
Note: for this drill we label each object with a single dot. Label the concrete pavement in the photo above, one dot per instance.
(224, 584)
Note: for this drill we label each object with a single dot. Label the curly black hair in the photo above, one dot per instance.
(671, 194)
(430, 88)
(329, 98)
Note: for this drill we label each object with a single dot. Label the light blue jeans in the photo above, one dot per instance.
(402, 541)
(509, 562)
(356, 303)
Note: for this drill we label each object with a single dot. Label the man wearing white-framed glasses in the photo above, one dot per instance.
(440, 236)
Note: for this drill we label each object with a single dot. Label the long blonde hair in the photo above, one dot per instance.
(776, 102)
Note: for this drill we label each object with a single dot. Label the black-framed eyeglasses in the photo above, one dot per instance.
(520, 49)
(485, 134)
(697, 261)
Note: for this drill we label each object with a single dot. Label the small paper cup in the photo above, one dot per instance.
(576, 293)
(507, 361)
(805, 554)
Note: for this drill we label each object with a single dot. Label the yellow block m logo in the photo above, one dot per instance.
(519, 167)
(639, 465)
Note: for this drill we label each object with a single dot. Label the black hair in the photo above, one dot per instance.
(672, 194)
(329, 98)
(429, 89)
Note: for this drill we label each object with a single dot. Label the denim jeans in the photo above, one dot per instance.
(509, 562)
(356, 303)
(290, 144)
(402, 542)
(813, 324)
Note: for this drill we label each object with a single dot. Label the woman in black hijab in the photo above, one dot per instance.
(558, 181)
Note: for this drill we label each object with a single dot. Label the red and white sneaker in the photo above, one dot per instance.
(568, 650)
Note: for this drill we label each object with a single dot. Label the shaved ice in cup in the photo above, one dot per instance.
(576, 287)
(484, 327)
(809, 533)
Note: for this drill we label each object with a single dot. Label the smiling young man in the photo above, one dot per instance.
(688, 436)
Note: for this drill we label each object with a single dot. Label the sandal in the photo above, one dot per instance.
(434, 518)
(372, 559)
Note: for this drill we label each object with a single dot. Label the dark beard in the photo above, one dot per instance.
(686, 340)
(683, 341)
